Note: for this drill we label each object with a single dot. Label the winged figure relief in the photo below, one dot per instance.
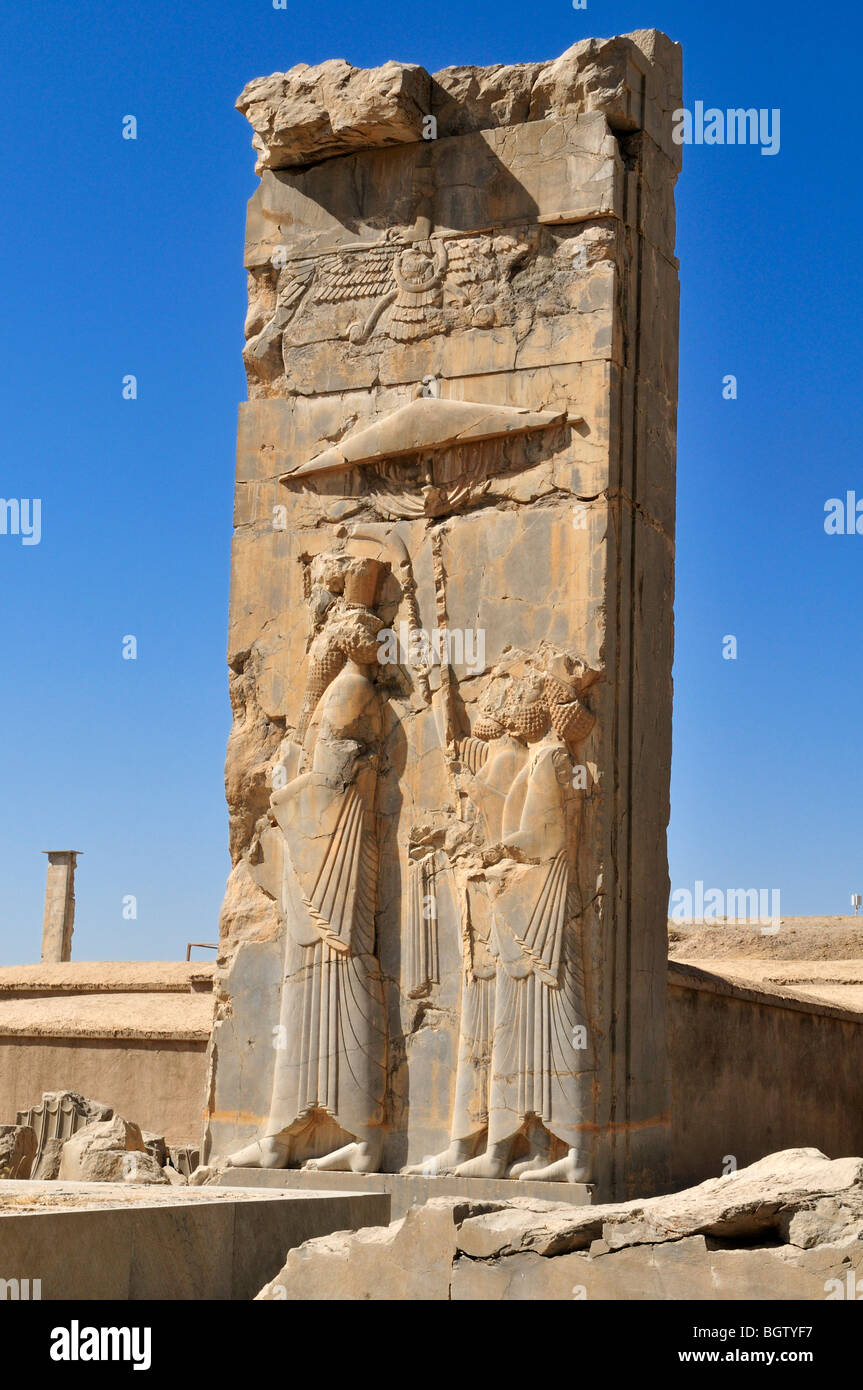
(398, 284)
(407, 277)
(356, 274)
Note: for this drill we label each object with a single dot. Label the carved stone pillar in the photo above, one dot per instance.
(59, 919)
(462, 363)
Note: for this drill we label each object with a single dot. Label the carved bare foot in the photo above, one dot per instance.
(205, 1173)
(540, 1155)
(491, 1164)
(530, 1165)
(364, 1156)
(445, 1162)
(263, 1153)
(575, 1167)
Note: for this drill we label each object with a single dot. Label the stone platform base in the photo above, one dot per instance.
(82, 1240)
(406, 1192)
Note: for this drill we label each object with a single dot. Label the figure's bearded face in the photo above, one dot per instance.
(487, 728)
(529, 699)
(527, 709)
(356, 634)
(516, 705)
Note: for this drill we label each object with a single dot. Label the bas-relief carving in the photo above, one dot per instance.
(330, 1068)
(524, 1081)
(429, 457)
(412, 285)
(462, 973)
(523, 1088)
(418, 284)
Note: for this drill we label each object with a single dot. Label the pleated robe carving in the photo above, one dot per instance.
(331, 1053)
(524, 1009)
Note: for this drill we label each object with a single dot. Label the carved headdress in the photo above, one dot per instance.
(344, 589)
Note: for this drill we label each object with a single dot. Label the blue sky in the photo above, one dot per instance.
(125, 257)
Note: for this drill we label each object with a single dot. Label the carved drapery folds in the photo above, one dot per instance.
(525, 1070)
(330, 1070)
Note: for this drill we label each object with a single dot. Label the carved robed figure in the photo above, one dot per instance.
(525, 1072)
(330, 1069)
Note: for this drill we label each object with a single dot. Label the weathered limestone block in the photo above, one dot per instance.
(450, 644)
(413, 1256)
(788, 1227)
(17, 1151)
(310, 114)
(109, 1151)
(155, 1146)
(313, 113)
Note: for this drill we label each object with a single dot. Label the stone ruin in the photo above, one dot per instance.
(68, 1137)
(443, 943)
(443, 947)
(57, 1117)
(58, 923)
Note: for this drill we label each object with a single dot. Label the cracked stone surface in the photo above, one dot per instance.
(787, 1227)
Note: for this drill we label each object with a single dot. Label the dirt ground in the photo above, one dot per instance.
(798, 938)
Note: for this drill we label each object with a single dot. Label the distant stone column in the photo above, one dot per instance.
(59, 919)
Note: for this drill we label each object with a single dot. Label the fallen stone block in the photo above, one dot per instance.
(410, 1259)
(109, 1151)
(184, 1158)
(17, 1151)
(156, 1146)
(57, 1116)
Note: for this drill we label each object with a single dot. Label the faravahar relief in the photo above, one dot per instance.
(407, 286)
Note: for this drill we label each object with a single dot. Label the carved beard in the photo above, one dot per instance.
(325, 662)
(353, 632)
(348, 635)
(487, 728)
(364, 653)
(529, 721)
